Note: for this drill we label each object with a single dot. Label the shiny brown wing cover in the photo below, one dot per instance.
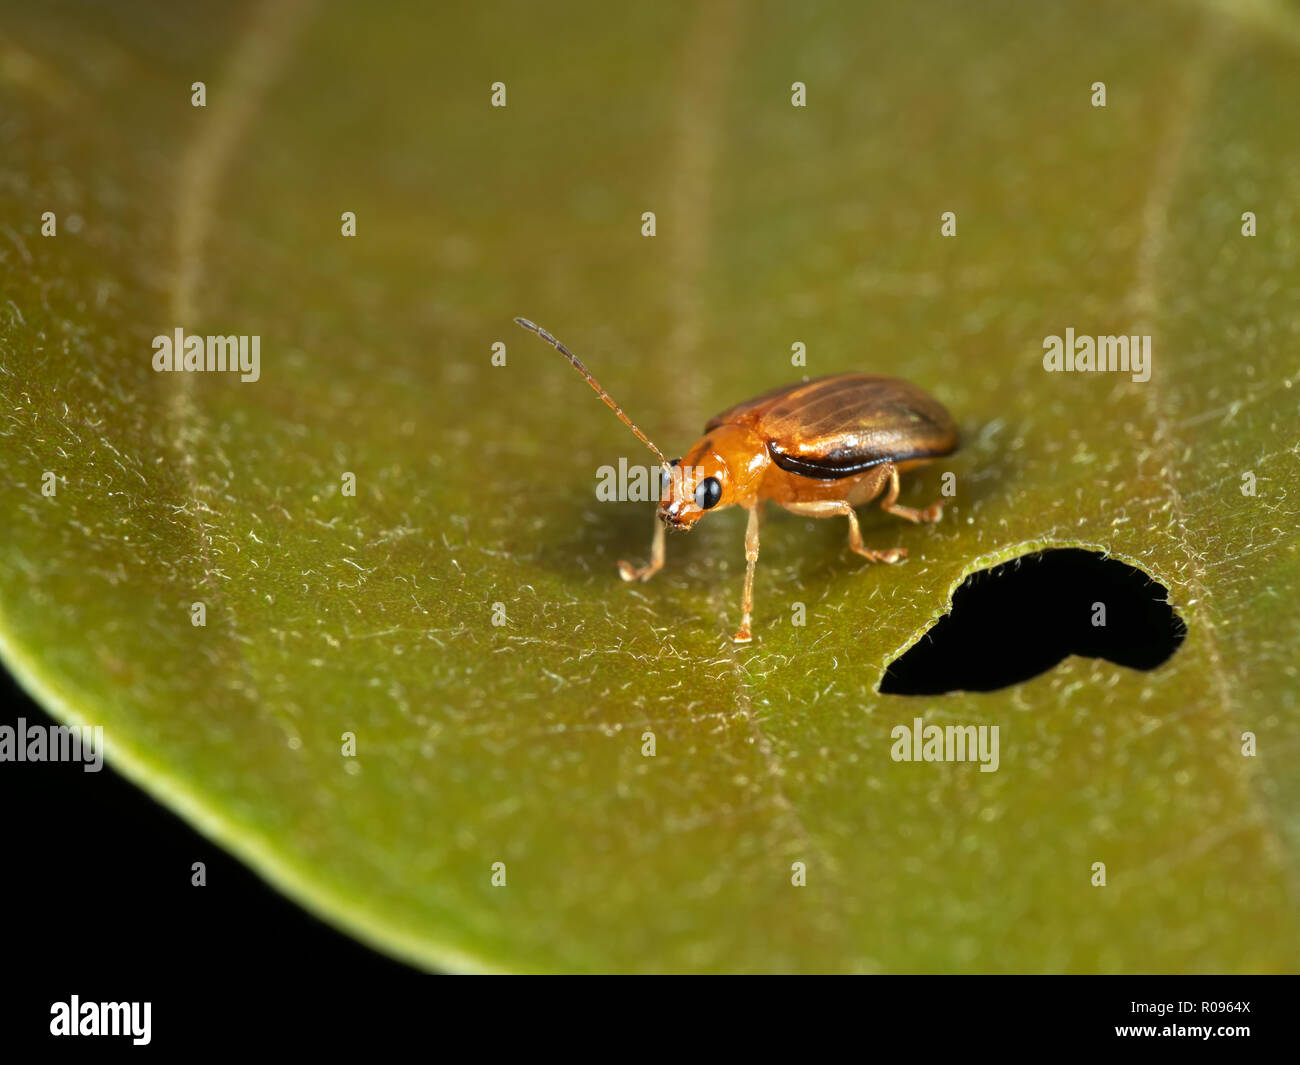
(838, 426)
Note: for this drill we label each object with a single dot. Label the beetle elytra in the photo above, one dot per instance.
(816, 448)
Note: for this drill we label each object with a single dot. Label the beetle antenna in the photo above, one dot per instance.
(609, 400)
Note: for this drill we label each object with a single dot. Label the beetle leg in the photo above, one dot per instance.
(751, 560)
(630, 572)
(931, 513)
(830, 507)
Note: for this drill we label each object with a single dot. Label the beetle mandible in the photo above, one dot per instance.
(816, 448)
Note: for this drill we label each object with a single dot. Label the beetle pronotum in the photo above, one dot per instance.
(816, 448)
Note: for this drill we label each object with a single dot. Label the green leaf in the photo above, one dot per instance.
(521, 743)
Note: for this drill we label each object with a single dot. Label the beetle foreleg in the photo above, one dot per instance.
(630, 572)
(931, 513)
(751, 560)
(829, 508)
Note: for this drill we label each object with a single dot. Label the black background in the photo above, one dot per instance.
(97, 880)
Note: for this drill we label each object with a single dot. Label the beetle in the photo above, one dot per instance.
(817, 448)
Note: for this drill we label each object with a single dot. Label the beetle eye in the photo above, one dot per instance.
(707, 493)
(665, 480)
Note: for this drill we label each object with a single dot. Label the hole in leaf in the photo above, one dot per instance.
(1019, 619)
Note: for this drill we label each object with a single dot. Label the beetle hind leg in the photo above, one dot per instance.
(630, 572)
(890, 504)
(894, 554)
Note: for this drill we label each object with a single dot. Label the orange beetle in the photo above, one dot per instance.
(816, 448)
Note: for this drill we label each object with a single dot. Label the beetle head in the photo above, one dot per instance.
(722, 469)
